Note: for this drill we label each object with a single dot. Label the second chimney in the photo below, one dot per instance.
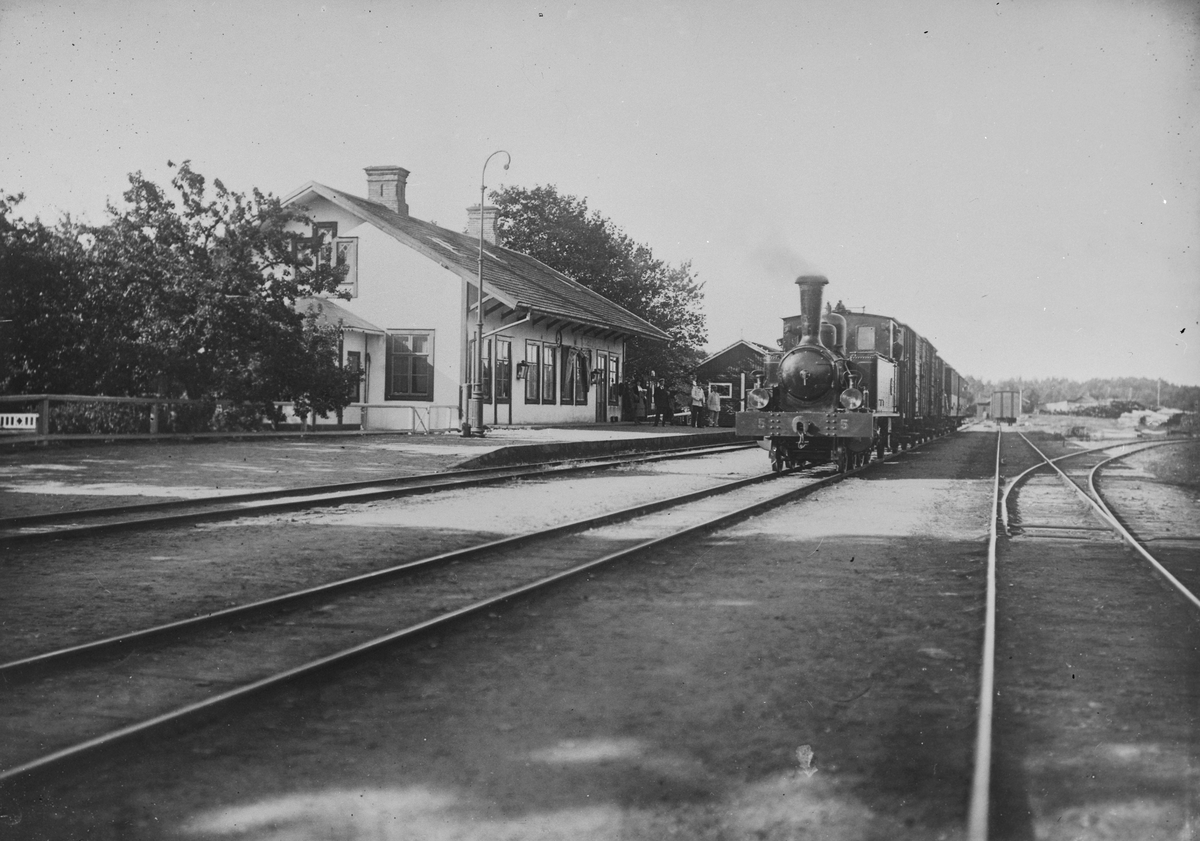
(489, 216)
(385, 186)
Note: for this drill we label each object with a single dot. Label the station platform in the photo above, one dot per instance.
(88, 474)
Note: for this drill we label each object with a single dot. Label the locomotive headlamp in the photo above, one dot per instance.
(758, 398)
(851, 398)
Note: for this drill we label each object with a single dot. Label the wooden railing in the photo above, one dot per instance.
(55, 415)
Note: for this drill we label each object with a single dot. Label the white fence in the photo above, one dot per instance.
(388, 416)
(19, 421)
(83, 415)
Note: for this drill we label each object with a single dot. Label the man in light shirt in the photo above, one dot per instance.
(697, 405)
(714, 405)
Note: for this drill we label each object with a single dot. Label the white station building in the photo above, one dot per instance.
(552, 349)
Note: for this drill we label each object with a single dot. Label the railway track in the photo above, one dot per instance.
(1048, 516)
(1082, 475)
(113, 690)
(124, 518)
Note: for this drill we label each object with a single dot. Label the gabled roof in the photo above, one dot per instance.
(330, 313)
(516, 280)
(755, 347)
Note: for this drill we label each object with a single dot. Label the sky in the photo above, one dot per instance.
(1017, 181)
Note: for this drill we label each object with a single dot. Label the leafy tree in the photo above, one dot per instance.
(560, 231)
(189, 292)
(42, 343)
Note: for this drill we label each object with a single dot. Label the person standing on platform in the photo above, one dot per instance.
(714, 406)
(697, 405)
(627, 407)
(664, 412)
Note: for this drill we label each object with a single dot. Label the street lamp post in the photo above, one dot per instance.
(475, 409)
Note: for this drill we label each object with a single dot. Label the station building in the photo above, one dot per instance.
(552, 348)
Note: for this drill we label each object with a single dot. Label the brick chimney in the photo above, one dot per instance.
(489, 222)
(385, 185)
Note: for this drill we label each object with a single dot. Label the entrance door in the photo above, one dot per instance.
(601, 387)
(502, 387)
(613, 377)
(354, 364)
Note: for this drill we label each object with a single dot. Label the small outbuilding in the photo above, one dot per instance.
(552, 348)
(730, 371)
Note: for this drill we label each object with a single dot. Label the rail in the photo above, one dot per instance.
(977, 816)
(738, 510)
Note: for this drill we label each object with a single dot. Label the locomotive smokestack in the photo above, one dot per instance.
(811, 294)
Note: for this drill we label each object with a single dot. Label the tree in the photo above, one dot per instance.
(1141, 390)
(560, 231)
(190, 294)
(42, 341)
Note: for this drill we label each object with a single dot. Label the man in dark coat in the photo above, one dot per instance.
(664, 411)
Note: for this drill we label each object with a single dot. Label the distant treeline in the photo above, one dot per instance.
(1141, 390)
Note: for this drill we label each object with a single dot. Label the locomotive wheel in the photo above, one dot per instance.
(843, 460)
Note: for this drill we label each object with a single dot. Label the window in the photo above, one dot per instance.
(866, 338)
(503, 371)
(576, 367)
(723, 389)
(533, 372)
(331, 250)
(410, 365)
(324, 235)
(583, 379)
(549, 380)
(487, 368)
(346, 249)
(614, 379)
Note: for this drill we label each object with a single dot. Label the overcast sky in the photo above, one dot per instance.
(1016, 181)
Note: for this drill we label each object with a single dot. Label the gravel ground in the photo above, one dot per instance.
(66, 592)
(68, 478)
(1178, 464)
(1097, 732)
(809, 673)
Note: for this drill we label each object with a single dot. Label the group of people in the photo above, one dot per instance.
(655, 403)
(706, 405)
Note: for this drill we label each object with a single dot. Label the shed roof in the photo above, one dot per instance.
(755, 347)
(329, 312)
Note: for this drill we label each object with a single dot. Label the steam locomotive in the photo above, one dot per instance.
(845, 384)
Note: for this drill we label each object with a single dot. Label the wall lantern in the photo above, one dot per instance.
(522, 367)
(597, 375)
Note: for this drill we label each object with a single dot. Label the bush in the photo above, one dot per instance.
(239, 418)
(98, 418)
(189, 417)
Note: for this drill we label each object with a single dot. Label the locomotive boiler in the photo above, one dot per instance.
(815, 404)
